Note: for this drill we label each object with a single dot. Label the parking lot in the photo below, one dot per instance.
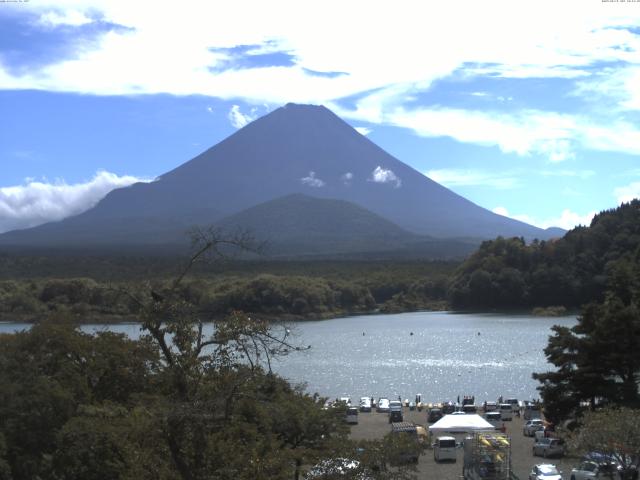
(375, 425)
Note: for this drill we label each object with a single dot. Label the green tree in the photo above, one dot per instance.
(613, 432)
(48, 373)
(597, 360)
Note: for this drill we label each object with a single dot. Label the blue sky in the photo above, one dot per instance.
(529, 109)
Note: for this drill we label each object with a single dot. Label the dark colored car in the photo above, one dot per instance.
(434, 415)
(448, 407)
(395, 416)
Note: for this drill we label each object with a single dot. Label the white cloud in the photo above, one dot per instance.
(363, 130)
(463, 178)
(347, 178)
(567, 219)
(551, 135)
(557, 150)
(384, 175)
(239, 119)
(312, 180)
(466, 38)
(35, 203)
(73, 18)
(627, 193)
(523, 133)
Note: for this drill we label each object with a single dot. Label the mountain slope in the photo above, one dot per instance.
(304, 225)
(295, 149)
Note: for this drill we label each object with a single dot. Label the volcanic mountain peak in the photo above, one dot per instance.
(303, 149)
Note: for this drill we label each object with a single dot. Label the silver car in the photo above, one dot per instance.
(549, 447)
(589, 470)
(532, 426)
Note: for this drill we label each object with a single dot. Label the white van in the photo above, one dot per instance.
(352, 415)
(444, 449)
(506, 413)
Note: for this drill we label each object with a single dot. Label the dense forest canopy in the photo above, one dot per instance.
(598, 359)
(289, 289)
(570, 271)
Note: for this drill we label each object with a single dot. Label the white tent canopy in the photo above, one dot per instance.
(460, 424)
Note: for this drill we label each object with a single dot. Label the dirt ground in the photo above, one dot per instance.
(375, 425)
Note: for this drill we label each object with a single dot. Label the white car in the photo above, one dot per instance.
(352, 416)
(545, 471)
(506, 411)
(548, 447)
(365, 404)
(532, 426)
(383, 404)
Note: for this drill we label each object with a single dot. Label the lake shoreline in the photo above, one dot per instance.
(111, 319)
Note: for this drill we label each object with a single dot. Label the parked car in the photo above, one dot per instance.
(448, 407)
(589, 470)
(434, 415)
(352, 415)
(532, 426)
(506, 411)
(469, 408)
(545, 471)
(532, 410)
(444, 448)
(395, 416)
(365, 404)
(549, 447)
(383, 404)
(490, 406)
(495, 419)
(395, 411)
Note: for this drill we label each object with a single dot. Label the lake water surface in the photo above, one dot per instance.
(441, 355)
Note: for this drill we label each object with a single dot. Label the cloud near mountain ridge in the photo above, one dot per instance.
(38, 202)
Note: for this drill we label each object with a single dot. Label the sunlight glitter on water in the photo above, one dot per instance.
(440, 355)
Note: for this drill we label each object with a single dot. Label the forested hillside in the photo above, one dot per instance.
(571, 271)
(293, 290)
